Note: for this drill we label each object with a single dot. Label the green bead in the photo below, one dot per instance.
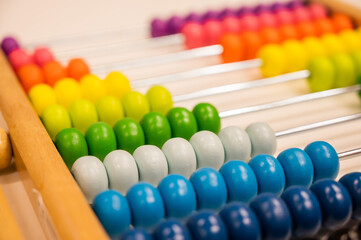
(101, 140)
(71, 145)
(207, 117)
(359, 82)
(322, 74)
(182, 122)
(156, 129)
(344, 70)
(129, 134)
(356, 57)
(55, 118)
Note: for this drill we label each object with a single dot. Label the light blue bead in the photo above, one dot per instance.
(178, 196)
(113, 212)
(240, 180)
(297, 166)
(269, 173)
(210, 188)
(146, 205)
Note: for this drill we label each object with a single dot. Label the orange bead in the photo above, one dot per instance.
(253, 41)
(306, 29)
(288, 32)
(53, 71)
(233, 49)
(341, 22)
(323, 26)
(270, 35)
(77, 68)
(30, 75)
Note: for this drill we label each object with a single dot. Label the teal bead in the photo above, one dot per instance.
(101, 140)
(71, 145)
(182, 122)
(129, 134)
(156, 129)
(207, 117)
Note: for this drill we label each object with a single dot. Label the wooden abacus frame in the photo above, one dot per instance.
(42, 169)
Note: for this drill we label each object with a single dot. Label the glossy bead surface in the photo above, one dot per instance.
(254, 42)
(136, 234)
(9, 44)
(129, 134)
(110, 109)
(174, 24)
(77, 68)
(156, 129)
(342, 22)
(262, 138)
(194, 35)
(55, 118)
(160, 99)
(67, 90)
(182, 122)
(171, 229)
(53, 71)
(117, 84)
(333, 44)
(42, 96)
(135, 105)
(296, 54)
(83, 114)
(30, 75)
(92, 87)
(233, 48)
(213, 31)
(236, 143)
(249, 23)
(350, 40)
(231, 25)
(323, 74)
(274, 60)
(42, 56)
(207, 117)
(19, 58)
(352, 182)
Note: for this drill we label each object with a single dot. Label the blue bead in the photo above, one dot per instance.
(205, 225)
(241, 221)
(325, 160)
(136, 234)
(335, 203)
(273, 215)
(305, 210)
(210, 188)
(146, 205)
(240, 181)
(352, 182)
(178, 196)
(269, 173)
(171, 230)
(297, 166)
(113, 212)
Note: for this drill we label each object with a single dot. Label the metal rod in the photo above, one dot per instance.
(350, 153)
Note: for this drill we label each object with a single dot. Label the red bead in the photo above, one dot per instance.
(213, 31)
(302, 14)
(317, 10)
(42, 56)
(19, 58)
(194, 35)
(249, 23)
(231, 25)
(267, 19)
(285, 17)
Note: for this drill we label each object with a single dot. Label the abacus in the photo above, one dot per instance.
(221, 85)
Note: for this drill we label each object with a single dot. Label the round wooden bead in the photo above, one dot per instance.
(323, 74)
(92, 87)
(344, 70)
(193, 34)
(53, 71)
(42, 56)
(55, 118)
(182, 122)
(180, 156)
(323, 26)
(236, 143)
(42, 96)
(117, 84)
(306, 29)
(341, 22)
(270, 35)
(314, 47)
(318, 10)
(9, 44)
(274, 60)
(30, 75)
(231, 24)
(262, 138)
(136, 234)
(207, 117)
(171, 229)
(160, 99)
(333, 43)
(19, 58)
(350, 40)
(135, 105)
(110, 109)
(77, 68)
(213, 30)
(233, 48)
(5, 150)
(158, 27)
(129, 134)
(352, 182)
(122, 170)
(156, 129)
(296, 54)
(67, 90)
(249, 22)
(254, 42)
(208, 148)
(91, 176)
(83, 114)
(152, 164)
(174, 24)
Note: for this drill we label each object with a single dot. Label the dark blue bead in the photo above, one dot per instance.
(352, 182)
(171, 230)
(136, 234)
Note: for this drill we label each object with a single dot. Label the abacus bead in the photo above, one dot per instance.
(306, 29)
(101, 140)
(322, 74)
(83, 114)
(67, 90)
(152, 164)
(274, 60)
(314, 47)
(210, 15)
(249, 23)
(112, 210)
(335, 203)
(356, 57)
(158, 27)
(333, 44)
(345, 73)
(92, 87)
(53, 71)
(297, 166)
(160, 99)
(350, 40)
(233, 49)
(194, 35)
(210, 188)
(243, 11)
(193, 17)
(122, 170)
(129, 134)
(91, 176)
(9, 44)
(297, 55)
(273, 215)
(171, 229)
(294, 4)
(174, 24)
(110, 109)
(236, 143)
(323, 26)
(305, 210)
(267, 19)
(269, 173)
(231, 25)
(135, 105)
(180, 156)
(55, 118)
(263, 138)
(71, 145)
(208, 148)
(241, 222)
(136, 234)
(270, 35)
(178, 196)
(146, 205)
(77, 68)
(288, 32)
(5, 150)
(324, 158)
(261, 8)
(20, 57)
(205, 225)
(317, 10)
(213, 30)
(301, 14)
(182, 122)
(117, 84)
(207, 117)
(240, 180)
(352, 183)
(341, 22)
(30, 75)
(285, 16)
(42, 96)
(42, 56)
(253, 42)
(156, 129)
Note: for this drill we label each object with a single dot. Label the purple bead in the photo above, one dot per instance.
(244, 11)
(158, 27)
(174, 25)
(9, 44)
(277, 6)
(194, 17)
(228, 12)
(210, 15)
(294, 4)
(261, 8)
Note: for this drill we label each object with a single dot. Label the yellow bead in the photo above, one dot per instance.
(67, 90)
(314, 47)
(135, 105)
(322, 74)
(109, 109)
(351, 40)
(92, 87)
(55, 118)
(160, 99)
(5, 150)
(345, 73)
(83, 114)
(117, 84)
(333, 44)
(42, 96)
(274, 60)
(296, 54)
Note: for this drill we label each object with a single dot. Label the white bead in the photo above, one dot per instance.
(122, 170)
(180, 156)
(209, 149)
(263, 138)
(152, 164)
(236, 143)
(91, 176)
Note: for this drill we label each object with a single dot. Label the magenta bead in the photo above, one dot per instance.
(213, 31)
(277, 6)
(294, 4)
(174, 25)
(210, 15)
(193, 34)
(261, 8)
(285, 17)
(9, 44)
(19, 57)
(42, 56)
(244, 11)
(158, 27)
(267, 20)
(227, 12)
(317, 11)
(249, 23)
(194, 17)
(231, 25)
(301, 14)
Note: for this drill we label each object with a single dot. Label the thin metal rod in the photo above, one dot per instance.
(290, 101)
(245, 85)
(350, 153)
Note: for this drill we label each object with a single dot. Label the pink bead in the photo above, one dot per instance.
(194, 35)
(317, 10)
(231, 25)
(249, 23)
(267, 20)
(42, 56)
(19, 58)
(302, 14)
(285, 17)
(213, 31)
